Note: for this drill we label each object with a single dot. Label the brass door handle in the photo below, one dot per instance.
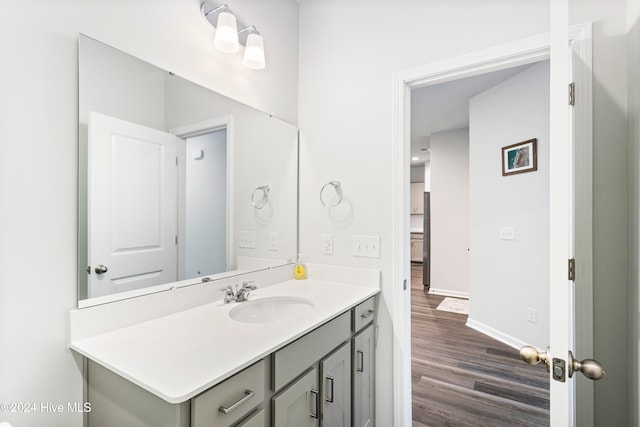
(590, 368)
(532, 356)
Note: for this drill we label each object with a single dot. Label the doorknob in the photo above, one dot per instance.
(590, 368)
(101, 269)
(532, 356)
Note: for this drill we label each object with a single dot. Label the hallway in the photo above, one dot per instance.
(461, 377)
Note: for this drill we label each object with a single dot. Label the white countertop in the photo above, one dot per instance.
(180, 355)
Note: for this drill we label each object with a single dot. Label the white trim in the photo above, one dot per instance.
(508, 55)
(449, 293)
(496, 334)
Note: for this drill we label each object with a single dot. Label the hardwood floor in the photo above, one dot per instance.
(461, 377)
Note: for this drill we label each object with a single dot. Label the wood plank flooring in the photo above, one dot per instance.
(461, 377)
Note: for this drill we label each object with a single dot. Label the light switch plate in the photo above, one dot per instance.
(366, 246)
(507, 233)
(247, 239)
(327, 244)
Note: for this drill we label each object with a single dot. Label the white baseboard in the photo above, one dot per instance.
(449, 293)
(496, 334)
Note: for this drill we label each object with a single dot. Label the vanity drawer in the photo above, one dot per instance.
(295, 358)
(363, 314)
(207, 408)
(255, 420)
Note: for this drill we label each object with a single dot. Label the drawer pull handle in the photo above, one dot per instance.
(360, 361)
(367, 314)
(330, 387)
(248, 394)
(314, 415)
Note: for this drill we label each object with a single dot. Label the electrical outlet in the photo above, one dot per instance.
(273, 241)
(532, 315)
(327, 244)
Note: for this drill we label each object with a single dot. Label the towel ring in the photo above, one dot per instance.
(331, 194)
(260, 197)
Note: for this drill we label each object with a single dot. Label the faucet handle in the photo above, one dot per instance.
(249, 285)
(229, 294)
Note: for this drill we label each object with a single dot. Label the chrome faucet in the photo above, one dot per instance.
(238, 295)
(243, 293)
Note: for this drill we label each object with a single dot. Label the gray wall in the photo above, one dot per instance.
(610, 208)
(633, 56)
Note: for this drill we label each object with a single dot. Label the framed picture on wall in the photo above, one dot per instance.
(519, 158)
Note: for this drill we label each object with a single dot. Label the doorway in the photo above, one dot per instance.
(465, 367)
(520, 52)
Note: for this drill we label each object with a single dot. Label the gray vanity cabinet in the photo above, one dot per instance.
(363, 378)
(336, 388)
(298, 405)
(322, 379)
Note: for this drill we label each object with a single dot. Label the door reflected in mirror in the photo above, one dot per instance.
(167, 175)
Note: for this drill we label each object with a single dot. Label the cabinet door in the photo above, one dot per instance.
(363, 378)
(416, 250)
(298, 405)
(335, 390)
(417, 198)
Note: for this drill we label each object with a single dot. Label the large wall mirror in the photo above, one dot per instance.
(177, 184)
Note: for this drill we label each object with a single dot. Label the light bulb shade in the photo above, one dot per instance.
(254, 53)
(226, 38)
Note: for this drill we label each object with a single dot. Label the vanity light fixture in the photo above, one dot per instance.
(228, 38)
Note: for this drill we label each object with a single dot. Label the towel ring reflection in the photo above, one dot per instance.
(331, 194)
(260, 197)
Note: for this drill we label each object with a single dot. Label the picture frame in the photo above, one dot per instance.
(520, 157)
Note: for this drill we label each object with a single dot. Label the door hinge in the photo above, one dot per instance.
(572, 93)
(176, 240)
(572, 269)
(176, 160)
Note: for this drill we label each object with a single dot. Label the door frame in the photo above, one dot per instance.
(197, 129)
(520, 52)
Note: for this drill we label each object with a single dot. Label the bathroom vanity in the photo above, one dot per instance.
(297, 353)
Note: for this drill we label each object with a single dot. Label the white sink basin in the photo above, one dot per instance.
(270, 309)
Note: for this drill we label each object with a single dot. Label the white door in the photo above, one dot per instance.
(560, 231)
(133, 196)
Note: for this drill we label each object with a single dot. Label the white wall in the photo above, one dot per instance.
(633, 57)
(206, 205)
(346, 115)
(264, 152)
(507, 277)
(38, 171)
(450, 213)
(427, 175)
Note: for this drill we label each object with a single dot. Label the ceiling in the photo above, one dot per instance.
(445, 106)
